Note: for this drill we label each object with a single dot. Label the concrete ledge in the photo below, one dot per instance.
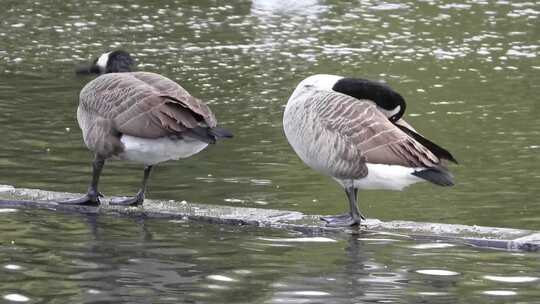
(487, 237)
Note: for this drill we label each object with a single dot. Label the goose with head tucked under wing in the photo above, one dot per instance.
(351, 129)
(139, 116)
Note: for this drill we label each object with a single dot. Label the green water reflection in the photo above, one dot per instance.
(55, 258)
(468, 70)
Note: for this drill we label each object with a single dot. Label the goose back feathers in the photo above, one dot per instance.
(138, 116)
(139, 104)
(354, 141)
(338, 134)
(351, 129)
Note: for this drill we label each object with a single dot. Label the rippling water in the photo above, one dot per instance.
(469, 71)
(107, 259)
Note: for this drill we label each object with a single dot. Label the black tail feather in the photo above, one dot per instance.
(221, 133)
(437, 176)
(208, 135)
(202, 134)
(439, 151)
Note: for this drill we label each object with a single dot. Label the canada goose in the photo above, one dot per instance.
(351, 129)
(138, 116)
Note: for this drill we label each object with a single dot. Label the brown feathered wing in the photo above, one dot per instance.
(366, 129)
(145, 104)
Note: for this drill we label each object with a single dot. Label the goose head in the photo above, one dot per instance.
(388, 101)
(112, 62)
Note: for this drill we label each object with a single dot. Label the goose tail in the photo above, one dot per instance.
(436, 176)
(218, 132)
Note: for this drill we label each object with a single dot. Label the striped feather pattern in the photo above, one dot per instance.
(139, 104)
(337, 134)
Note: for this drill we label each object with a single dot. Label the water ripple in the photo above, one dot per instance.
(511, 279)
(437, 272)
(15, 297)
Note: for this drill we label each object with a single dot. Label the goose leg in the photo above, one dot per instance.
(353, 218)
(139, 197)
(355, 210)
(92, 195)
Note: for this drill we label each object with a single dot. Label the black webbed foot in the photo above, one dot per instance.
(136, 200)
(342, 220)
(89, 199)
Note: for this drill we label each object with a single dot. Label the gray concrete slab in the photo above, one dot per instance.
(486, 237)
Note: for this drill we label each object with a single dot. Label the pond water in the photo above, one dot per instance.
(57, 258)
(469, 71)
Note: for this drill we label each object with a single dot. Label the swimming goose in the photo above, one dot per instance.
(351, 129)
(138, 116)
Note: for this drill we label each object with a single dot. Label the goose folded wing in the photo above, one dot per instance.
(165, 87)
(150, 106)
(376, 138)
(316, 138)
(156, 116)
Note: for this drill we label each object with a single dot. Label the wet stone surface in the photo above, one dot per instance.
(490, 237)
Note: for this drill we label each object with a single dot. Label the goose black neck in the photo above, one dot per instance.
(377, 92)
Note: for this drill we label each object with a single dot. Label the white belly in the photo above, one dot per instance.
(153, 151)
(387, 177)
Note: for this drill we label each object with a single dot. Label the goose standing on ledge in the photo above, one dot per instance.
(138, 116)
(351, 129)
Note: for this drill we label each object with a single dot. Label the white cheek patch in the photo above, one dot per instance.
(102, 61)
(390, 113)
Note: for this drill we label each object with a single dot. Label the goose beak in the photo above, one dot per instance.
(87, 69)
